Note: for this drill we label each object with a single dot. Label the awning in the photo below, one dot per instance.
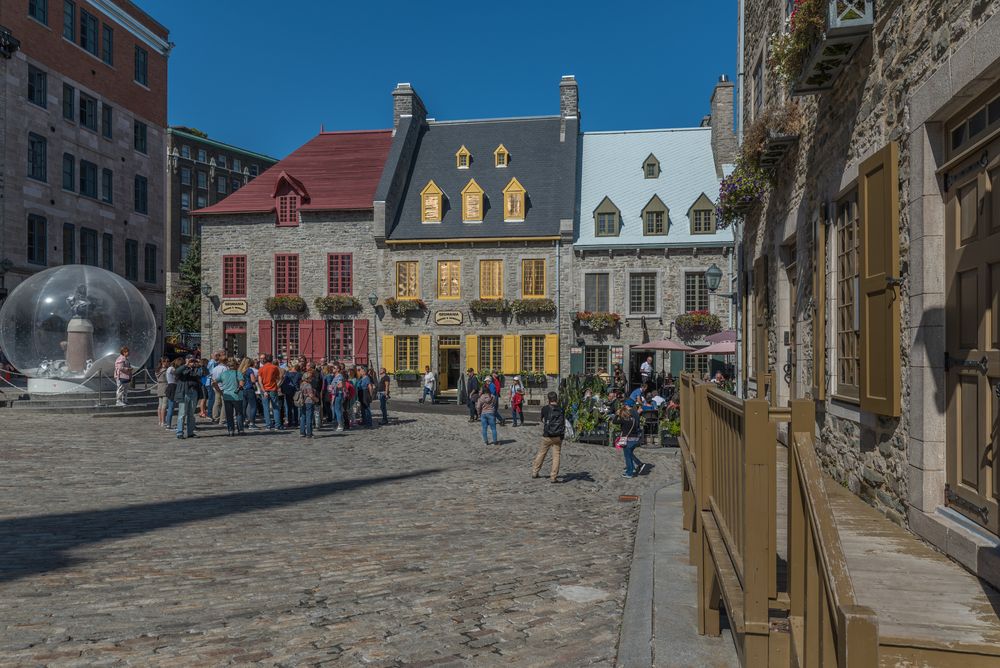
(721, 348)
(665, 344)
(725, 335)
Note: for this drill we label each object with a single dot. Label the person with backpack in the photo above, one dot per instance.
(486, 407)
(553, 430)
(472, 393)
(628, 420)
(516, 402)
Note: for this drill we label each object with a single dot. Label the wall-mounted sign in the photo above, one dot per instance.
(448, 318)
(233, 307)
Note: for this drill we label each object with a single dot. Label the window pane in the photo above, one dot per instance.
(848, 353)
(532, 278)
(340, 340)
(642, 293)
(695, 292)
(69, 244)
(595, 290)
(141, 72)
(68, 172)
(38, 92)
(449, 279)
(149, 263)
(490, 279)
(37, 157)
(287, 334)
(407, 286)
(69, 20)
(340, 279)
(69, 102)
(108, 252)
(490, 353)
(107, 186)
(407, 350)
(37, 239)
(108, 45)
(595, 359)
(533, 353)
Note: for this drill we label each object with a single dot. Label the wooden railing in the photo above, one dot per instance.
(828, 626)
(766, 389)
(729, 450)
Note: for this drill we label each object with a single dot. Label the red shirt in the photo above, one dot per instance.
(269, 374)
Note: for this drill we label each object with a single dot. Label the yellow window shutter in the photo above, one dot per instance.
(819, 316)
(424, 352)
(389, 353)
(551, 354)
(472, 352)
(878, 260)
(511, 352)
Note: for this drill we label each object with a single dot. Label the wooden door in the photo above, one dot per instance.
(972, 336)
(791, 359)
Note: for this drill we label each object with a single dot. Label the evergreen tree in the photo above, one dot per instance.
(184, 309)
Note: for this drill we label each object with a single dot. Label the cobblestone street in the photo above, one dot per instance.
(409, 545)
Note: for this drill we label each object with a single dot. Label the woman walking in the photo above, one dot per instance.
(161, 390)
(628, 421)
(123, 376)
(486, 407)
(171, 391)
(306, 398)
(230, 384)
(337, 396)
(249, 376)
(516, 402)
(289, 384)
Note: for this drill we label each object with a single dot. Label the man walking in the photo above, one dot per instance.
(553, 429)
(646, 370)
(188, 377)
(269, 375)
(216, 400)
(429, 385)
(471, 394)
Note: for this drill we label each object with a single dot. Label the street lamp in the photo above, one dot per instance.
(373, 300)
(713, 277)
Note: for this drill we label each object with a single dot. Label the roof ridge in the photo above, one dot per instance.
(646, 130)
(503, 119)
(352, 132)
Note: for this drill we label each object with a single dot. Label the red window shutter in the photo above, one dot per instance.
(306, 337)
(265, 342)
(319, 340)
(361, 341)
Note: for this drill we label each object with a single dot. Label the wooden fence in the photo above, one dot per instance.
(729, 449)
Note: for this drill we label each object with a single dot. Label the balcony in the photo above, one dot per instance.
(847, 24)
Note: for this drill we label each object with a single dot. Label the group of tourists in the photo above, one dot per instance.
(287, 394)
(483, 401)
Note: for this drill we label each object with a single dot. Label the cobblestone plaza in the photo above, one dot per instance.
(409, 545)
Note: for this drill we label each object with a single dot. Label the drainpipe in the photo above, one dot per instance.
(740, 74)
(559, 296)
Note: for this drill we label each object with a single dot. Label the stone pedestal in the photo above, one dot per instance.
(79, 344)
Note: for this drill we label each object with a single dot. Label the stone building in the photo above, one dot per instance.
(474, 221)
(201, 172)
(83, 111)
(872, 265)
(645, 234)
(301, 231)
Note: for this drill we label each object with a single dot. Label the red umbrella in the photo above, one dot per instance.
(665, 344)
(725, 335)
(720, 348)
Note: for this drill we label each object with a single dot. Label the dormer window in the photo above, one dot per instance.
(289, 194)
(501, 157)
(655, 216)
(513, 202)
(463, 158)
(430, 203)
(651, 167)
(702, 216)
(607, 219)
(472, 203)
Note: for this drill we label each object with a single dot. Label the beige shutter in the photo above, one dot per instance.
(472, 352)
(510, 354)
(389, 353)
(423, 352)
(878, 257)
(552, 354)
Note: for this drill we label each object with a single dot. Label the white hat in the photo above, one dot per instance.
(517, 378)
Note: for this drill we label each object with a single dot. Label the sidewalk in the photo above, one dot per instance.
(658, 625)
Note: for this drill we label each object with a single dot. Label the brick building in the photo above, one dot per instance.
(872, 266)
(83, 107)
(202, 172)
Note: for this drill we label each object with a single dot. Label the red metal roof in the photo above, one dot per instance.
(339, 170)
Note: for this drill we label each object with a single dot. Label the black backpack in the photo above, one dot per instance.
(555, 422)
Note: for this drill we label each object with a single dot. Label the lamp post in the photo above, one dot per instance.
(206, 290)
(713, 278)
(373, 300)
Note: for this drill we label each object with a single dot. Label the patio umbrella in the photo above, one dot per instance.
(720, 348)
(725, 335)
(665, 344)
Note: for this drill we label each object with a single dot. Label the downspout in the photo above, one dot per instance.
(740, 74)
(559, 295)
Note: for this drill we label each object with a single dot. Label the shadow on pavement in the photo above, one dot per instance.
(582, 475)
(40, 544)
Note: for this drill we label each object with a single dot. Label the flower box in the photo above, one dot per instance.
(774, 149)
(404, 308)
(291, 303)
(847, 24)
(486, 307)
(697, 324)
(337, 304)
(406, 376)
(597, 437)
(532, 378)
(597, 321)
(529, 308)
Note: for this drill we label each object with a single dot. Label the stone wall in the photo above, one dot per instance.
(867, 108)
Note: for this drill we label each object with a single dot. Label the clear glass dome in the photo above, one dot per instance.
(71, 322)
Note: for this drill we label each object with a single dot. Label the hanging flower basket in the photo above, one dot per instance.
(597, 321)
(696, 325)
(740, 192)
(403, 308)
(337, 304)
(527, 308)
(487, 307)
(291, 303)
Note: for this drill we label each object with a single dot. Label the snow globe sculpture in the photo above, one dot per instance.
(64, 327)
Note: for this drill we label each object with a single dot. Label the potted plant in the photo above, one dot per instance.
(407, 375)
(532, 378)
(697, 324)
(487, 307)
(772, 135)
(337, 304)
(529, 308)
(404, 308)
(739, 192)
(670, 435)
(290, 303)
(597, 321)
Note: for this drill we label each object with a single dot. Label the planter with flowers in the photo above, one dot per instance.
(740, 192)
(597, 321)
(532, 308)
(696, 325)
(337, 304)
(289, 303)
(407, 375)
(532, 378)
(822, 37)
(404, 308)
(772, 135)
(487, 307)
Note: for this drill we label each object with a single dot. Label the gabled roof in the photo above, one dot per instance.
(284, 178)
(338, 170)
(610, 168)
(542, 164)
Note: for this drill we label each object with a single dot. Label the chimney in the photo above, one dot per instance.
(406, 102)
(721, 120)
(569, 103)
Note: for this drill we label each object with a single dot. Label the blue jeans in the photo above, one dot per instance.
(185, 412)
(382, 406)
(488, 419)
(272, 410)
(428, 392)
(366, 414)
(306, 419)
(291, 410)
(250, 406)
(210, 399)
(631, 461)
(170, 412)
(515, 414)
(338, 410)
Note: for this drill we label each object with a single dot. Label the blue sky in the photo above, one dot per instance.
(266, 80)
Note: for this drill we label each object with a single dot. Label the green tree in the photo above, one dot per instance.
(184, 309)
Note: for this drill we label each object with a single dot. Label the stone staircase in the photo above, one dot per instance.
(140, 402)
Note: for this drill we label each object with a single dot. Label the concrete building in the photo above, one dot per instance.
(202, 172)
(83, 107)
(872, 265)
(645, 234)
